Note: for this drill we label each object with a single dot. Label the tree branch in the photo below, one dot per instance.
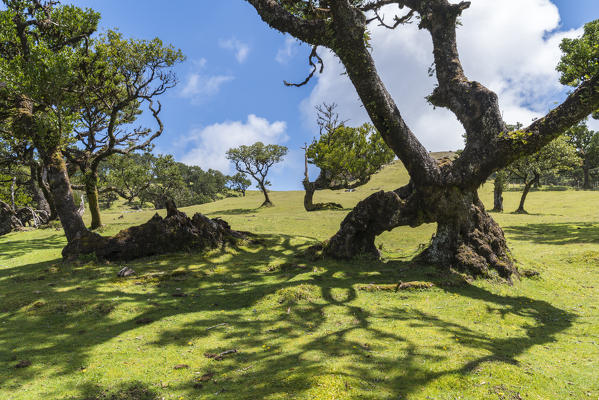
(276, 16)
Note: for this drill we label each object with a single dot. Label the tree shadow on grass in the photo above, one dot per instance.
(555, 233)
(288, 318)
(13, 246)
(234, 211)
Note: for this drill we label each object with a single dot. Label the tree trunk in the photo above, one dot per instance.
(36, 191)
(498, 197)
(587, 181)
(267, 202)
(470, 241)
(527, 187)
(13, 185)
(42, 179)
(91, 191)
(467, 238)
(60, 186)
(308, 196)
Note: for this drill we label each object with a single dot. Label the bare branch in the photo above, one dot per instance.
(315, 55)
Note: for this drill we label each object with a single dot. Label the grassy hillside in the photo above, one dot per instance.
(304, 329)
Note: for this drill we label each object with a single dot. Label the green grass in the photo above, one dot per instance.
(306, 329)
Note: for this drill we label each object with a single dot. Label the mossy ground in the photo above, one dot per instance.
(306, 329)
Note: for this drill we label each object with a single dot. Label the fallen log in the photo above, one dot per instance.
(159, 235)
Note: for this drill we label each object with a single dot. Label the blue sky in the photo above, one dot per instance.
(230, 89)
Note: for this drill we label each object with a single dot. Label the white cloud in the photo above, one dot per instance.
(211, 143)
(240, 49)
(510, 46)
(199, 86)
(287, 52)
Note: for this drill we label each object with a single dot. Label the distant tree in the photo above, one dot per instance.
(256, 160)
(580, 59)
(239, 183)
(204, 186)
(166, 184)
(558, 155)
(127, 175)
(347, 156)
(116, 76)
(586, 143)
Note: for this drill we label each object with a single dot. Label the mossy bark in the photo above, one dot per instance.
(60, 186)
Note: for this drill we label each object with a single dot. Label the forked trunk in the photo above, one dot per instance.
(467, 238)
(58, 180)
(91, 191)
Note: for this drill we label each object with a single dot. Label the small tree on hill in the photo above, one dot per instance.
(587, 146)
(347, 156)
(558, 155)
(256, 160)
(239, 183)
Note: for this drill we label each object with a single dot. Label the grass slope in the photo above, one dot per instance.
(303, 329)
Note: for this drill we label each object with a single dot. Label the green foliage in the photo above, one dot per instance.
(580, 59)
(586, 143)
(238, 183)
(257, 159)
(348, 154)
(155, 179)
(37, 58)
(557, 156)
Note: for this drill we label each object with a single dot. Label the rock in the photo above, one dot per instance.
(23, 364)
(126, 271)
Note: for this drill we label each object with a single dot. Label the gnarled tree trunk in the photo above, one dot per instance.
(467, 238)
(60, 186)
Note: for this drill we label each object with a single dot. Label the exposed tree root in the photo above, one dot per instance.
(159, 235)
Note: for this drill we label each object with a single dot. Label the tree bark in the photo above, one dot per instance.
(42, 182)
(309, 205)
(91, 192)
(527, 187)
(467, 238)
(60, 186)
(37, 192)
(498, 197)
(267, 202)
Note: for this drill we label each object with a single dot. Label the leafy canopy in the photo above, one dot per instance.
(256, 160)
(347, 154)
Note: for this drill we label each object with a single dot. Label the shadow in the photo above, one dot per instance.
(235, 211)
(288, 318)
(14, 246)
(555, 233)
